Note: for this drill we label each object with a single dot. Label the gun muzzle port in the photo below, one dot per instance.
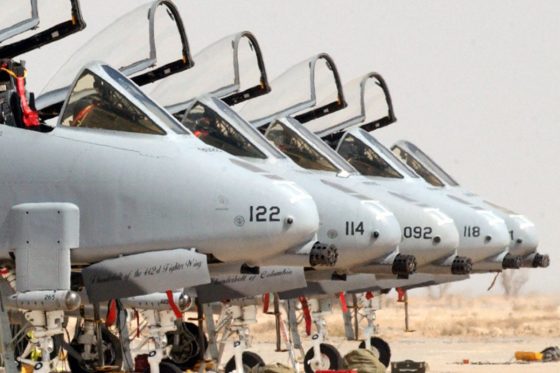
(512, 262)
(323, 255)
(541, 260)
(461, 266)
(404, 265)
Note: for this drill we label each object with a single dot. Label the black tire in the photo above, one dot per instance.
(186, 354)
(113, 354)
(380, 348)
(250, 361)
(327, 351)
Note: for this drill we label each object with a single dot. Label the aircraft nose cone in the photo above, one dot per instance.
(496, 236)
(387, 234)
(525, 237)
(443, 240)
(301, 219)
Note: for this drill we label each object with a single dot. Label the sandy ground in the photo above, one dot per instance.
(484, 330)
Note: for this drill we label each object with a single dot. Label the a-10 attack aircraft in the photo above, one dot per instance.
(100, 103)
(133, 183)
(352, 243)
(228, 132)
(216, 124)
(524, 240)
(369, 107)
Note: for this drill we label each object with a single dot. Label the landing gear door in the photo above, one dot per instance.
(146, 44)
(35, 23)
(369, 106)
(231, 69)
(298, 92)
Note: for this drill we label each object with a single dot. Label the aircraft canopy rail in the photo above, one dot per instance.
(370, 157)
(215, 123)
(304, 147)
(422, 164)
(17, 19)
(297, 91)
(101, 98)
(369, 106)
(148, 43)
(32, 26)
(232, 69)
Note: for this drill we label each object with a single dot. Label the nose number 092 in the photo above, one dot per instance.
(418, 232)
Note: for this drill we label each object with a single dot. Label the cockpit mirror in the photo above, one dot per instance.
(231, 69)
(30, 27)
(298, 91)
(146, 44)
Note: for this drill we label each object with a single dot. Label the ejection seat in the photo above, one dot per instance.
(22, 33)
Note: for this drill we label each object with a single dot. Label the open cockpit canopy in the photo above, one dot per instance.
(15, 20)
(305, 148)
(231, 69)
(102, 98)
(26, 25)
(297, 92)
(146, 44)
(369, 106)
(370, 157)
(422, 164)
(215, 123)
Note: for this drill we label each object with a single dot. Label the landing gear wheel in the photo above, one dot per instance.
(380, 348)
(185, 353)
(250, 361)
(112, 352)
(330, 359)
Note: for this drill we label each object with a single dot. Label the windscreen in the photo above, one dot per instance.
(94, 103)
(321, 147)
(422, 171)
(428, 163)
(365, 159)
(386, 154)
(15, 20)
(298, 149)
(229, 66)
(215, 131)
(296, 92)
(125, 45)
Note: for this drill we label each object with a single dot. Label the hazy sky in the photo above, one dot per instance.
(476, 84)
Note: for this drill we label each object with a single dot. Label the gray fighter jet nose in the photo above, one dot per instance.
(432, 238)
(487, 236)
(287, 221)
(387, 233)
(301, 220)
(523, 235)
